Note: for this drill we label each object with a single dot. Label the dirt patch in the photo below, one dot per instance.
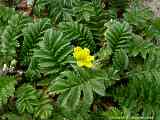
(154, 5)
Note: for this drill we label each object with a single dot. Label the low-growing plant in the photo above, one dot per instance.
(79, 60)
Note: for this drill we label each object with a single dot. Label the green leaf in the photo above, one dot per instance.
(10, 38)
(44, 108)
(138, 17)
(79, 33)
(72, 98)
(78, 84)
(118, 35)
(7, 88)
(140, 47)
(88, 94)
(33, 33)
(53, 52)
(27, 99)
(98, 86)
(120, 60)
(61, 10)
(13, 116)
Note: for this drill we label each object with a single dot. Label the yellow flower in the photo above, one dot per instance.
(83, 57)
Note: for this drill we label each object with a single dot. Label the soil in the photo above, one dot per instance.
(154, 5)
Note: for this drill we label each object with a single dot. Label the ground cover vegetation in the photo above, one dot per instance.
(79, 60)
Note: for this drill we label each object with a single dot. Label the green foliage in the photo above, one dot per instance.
(76, 84)
(78, 33)
(61, 10)
(32, 102)
(138, 17)
(146, 91)
(7, 88)
(44, 108)
(11, 36)
(122, 35)
(33, 71)
(86, 10)
(118, 35)
(33, 33)
(80, 113)
(120, 60)
(152, 61)
(94, 16)
(5, 14)
(53, 52)
(141, 93)
(12, 116)
(104, 54)
(26, 100)
(152, 32)
(140, 47)
(39, 7)
(119, 4)
(115, 113)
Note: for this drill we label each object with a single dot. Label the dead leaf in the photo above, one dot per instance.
(23, 6)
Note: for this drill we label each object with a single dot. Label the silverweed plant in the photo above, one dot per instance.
(79, 60)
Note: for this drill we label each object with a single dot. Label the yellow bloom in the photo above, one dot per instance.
(83, 57)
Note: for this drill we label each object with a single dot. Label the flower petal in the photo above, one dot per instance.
(87, 50)
(80, 63)
(77, 49)
(88, 64)
(83, 57)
